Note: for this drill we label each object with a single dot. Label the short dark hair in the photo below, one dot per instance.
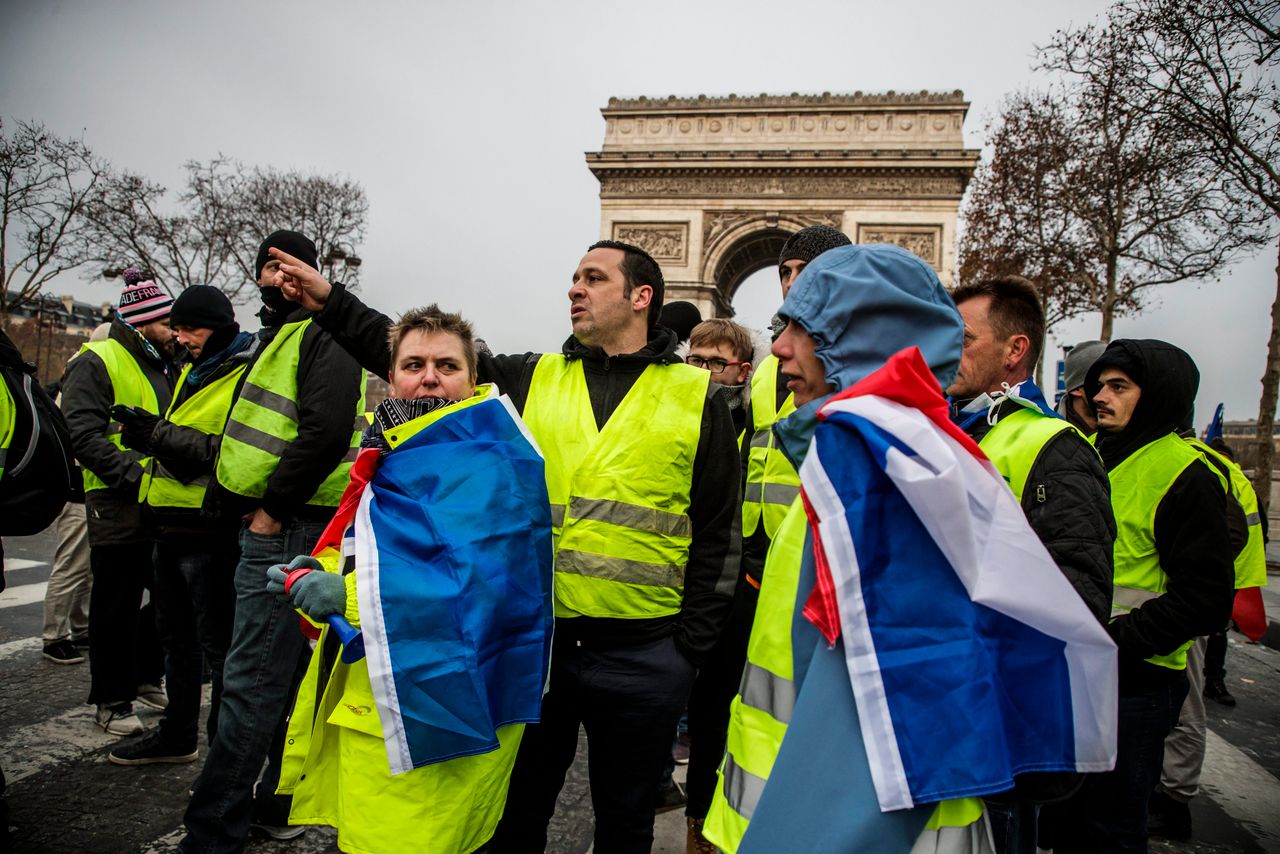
(434, 319)
(717, 331)
(638, 268)
(1015, 309)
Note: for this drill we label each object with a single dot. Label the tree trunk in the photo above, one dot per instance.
(1267, 404)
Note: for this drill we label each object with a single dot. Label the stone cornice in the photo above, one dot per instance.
(826, 100)
(785, 182)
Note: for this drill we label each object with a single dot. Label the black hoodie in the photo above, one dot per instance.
(1190, 522)
(715, 508)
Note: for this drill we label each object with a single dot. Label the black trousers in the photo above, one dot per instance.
(124, 646)
(713, 692)
(628, 699)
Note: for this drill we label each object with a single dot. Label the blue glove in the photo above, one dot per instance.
(277, 575)
(319, 594)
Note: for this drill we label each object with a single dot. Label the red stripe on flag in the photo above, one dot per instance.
(822, 609)
(1249, 613)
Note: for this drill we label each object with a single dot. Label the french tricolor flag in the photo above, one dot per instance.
(970, 656)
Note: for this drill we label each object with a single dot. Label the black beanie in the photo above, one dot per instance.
(297, 245)
(202, 307)
(680, 318)
(808, 243)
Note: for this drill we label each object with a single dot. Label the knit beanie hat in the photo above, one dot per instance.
(808, 243)
(142, 302)
(202, 307)
(1078, 361)
(297, 245)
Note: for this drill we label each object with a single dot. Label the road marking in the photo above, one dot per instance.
(1243, 788)
(23, 594)
(14, 647)
(68, 737)
(165, 843)
(12, 564)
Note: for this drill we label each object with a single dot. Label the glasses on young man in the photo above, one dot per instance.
(715, 366)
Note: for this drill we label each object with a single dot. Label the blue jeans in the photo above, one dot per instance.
(1013, 826)
(1109, 812)
(195, 602)
(264, 665)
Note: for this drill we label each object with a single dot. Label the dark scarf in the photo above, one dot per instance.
(393, 412)
(204, 367)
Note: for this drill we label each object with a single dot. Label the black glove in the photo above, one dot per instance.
(137, 425)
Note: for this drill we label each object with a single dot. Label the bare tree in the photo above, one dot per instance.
(1094, 194)
(225, 210)
(1209, 67)
(46, 182)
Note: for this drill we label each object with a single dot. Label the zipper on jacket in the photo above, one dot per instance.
(1040, 493)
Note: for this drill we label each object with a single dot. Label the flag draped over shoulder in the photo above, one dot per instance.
(453, 574)
(970, 657)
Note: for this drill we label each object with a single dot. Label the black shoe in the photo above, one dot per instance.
(152, 750)
(1217, 691)
(81, 642)
(63, 652)
(670, 798)
(1168, 818)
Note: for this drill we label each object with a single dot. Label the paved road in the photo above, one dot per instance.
(64, 796)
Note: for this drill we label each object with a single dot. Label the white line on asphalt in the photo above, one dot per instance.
(165, 843)
(1244, 790)
(23, 594)
(14, 647)
(68, 737)
(15, 563)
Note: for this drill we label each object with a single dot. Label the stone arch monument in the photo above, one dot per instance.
(713, 186)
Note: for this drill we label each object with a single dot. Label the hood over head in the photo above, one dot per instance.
(864, 303)
(1168, 379)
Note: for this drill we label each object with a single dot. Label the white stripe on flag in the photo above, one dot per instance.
(881, 743)
(377, 655)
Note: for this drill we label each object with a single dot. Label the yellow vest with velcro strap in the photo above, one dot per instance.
(619, 496)
(1138, 485)
(8, 417)
(264, 421)
(760, 714)
(772, 482)
(1014, 444)
(130, 387)
(1251, 562)
(206, 411)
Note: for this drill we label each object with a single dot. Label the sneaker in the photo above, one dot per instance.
(81, 642)
(680, 753)
(151, 750)
(118, 719)
(1168, 818)
(282, 833)
(63, 652)
(152, 696)
(1215, 690)
(695, 842)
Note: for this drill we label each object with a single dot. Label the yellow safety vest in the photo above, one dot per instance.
(264, 421)
(772, 482)
(1138, 485)
(1251, 562)
(8, 416)
(130, 387)
(619, 496)
(206, 411)
(760, 714)
(1014, 444)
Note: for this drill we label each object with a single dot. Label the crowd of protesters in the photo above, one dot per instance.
(407, 609)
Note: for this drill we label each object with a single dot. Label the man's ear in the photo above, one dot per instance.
(641, 296)
(1019, 348)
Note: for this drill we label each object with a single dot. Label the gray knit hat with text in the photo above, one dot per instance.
(808, 243)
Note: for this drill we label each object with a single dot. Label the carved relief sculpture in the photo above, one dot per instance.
(665, 241)
(924, 241)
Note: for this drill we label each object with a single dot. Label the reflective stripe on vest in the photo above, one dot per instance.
(130, 387)
(759, 715)
(1138, 485)
(1014, 444)
(619, 496)
(772, 482)
(264, 421)
(206, 410)
(1251, 562)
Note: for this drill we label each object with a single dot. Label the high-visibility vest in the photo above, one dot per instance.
(619, 496)
(772, 482)
(760, 714)
(206, 411)
(1251, 562)
(130, 387)
(8, 417)
(1014, 444)
(1138, 485)
(264, 421)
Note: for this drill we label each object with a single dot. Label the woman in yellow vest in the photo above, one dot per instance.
(336, 762)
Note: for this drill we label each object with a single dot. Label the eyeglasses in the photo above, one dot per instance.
(715, 366)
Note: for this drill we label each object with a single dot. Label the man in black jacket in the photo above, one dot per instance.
(132, 368)
(1173, 577)
(195, 555)
(285, 487)
(1055, 473)
(625, 677)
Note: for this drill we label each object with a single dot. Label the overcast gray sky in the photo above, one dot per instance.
(466, 124)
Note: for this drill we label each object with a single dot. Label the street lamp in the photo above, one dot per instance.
(344, 257)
